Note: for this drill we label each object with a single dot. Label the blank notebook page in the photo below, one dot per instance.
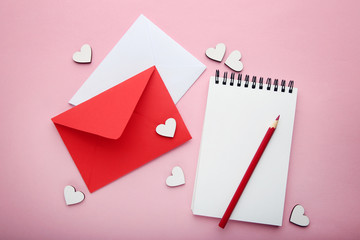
(236, 121)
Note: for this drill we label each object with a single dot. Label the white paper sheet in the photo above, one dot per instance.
(143, 45)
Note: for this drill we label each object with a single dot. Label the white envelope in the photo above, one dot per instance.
(143, 45)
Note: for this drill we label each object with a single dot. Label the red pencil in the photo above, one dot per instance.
(248, 173)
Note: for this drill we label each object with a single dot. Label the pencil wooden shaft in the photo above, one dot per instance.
(247, 176)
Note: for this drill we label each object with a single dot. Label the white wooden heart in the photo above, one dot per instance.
(72, 196)
(84, 56)
(233, 61)
(216, 53)
(177, 178)
(167, 129)
(297, 216)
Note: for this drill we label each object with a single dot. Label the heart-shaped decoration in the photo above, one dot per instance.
(72, 196)
(84, 56)
(167, 129)
(233, 61)
(177, 178)
(297, 216)
(216, 53)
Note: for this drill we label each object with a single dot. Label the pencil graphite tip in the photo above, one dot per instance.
(278, 117)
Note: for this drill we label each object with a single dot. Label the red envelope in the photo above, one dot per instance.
(114, 133)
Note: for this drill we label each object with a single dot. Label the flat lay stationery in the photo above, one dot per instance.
(114, 132)
(233, 129)
(128, 103)
(143, 45)
(115, 123)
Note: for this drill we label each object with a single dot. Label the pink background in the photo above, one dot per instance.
(315, 43)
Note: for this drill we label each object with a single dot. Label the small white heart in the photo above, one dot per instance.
(297, 216)
(216, 53)
(167, 129)
(72, 196)
(233, 61)
(84, 56)
(177, 178)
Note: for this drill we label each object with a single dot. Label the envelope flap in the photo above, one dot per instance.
(108, 113)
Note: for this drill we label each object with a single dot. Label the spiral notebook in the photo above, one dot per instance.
(238, 114)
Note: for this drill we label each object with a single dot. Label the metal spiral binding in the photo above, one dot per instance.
(276, 84)
(283, 82)
(246, 80)
(224, 78)
(261, 83)
(268, 82)
(254, 82)
(232, 79)
(239, 80)
(291, 86)
(217, 73)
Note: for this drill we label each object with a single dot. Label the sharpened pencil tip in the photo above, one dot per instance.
(278, 117)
